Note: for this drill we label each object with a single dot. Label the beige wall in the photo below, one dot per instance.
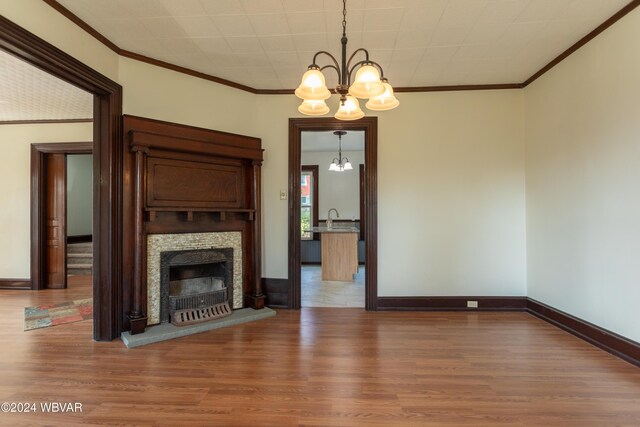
(450, 193)
(163, 94)
(583, 176)
(15, 177)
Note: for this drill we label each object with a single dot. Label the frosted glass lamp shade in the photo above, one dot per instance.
(313, 86)
(313, 108)
(367, 83)
(349, 110)
(384, 102)
(347, 166)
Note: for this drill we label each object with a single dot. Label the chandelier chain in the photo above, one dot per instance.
(344, 17)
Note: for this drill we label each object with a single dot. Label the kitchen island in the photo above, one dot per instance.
(339, 252)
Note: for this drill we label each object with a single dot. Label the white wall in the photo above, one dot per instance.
(15, 179)
(340, 190)
(79, 194)
(583, 180)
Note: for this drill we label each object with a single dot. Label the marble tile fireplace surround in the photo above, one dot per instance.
(157, 244)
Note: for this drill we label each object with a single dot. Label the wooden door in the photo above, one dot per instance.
(55, 221)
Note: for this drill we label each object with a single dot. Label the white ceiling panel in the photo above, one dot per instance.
(465, 30)
(27, 93)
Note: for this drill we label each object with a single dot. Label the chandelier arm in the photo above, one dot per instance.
(355, 52)
(315, 57)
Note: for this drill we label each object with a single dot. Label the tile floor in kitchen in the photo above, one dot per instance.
(319, 293)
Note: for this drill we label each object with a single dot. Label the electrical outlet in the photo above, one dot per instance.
(472, 304)
(283, 194)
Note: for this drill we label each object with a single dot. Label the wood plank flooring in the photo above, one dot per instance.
(318, 367)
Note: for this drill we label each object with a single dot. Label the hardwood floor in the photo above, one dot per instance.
(318, 366)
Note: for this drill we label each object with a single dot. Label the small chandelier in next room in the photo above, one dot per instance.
(340, 164)
(369, 82)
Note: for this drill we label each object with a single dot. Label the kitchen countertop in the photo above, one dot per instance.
(334, 229)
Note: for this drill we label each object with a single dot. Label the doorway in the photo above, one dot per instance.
(57, 168)
(107, 181)
(368, 219)
(331, 205)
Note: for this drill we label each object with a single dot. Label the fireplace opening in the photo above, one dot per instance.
(196, 285)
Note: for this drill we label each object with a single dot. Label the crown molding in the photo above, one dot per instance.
(602, 27)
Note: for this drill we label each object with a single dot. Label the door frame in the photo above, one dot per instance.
(370, 127)
(38, 203)
(107, 166)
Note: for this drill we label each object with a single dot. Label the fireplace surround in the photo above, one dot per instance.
(187, 188)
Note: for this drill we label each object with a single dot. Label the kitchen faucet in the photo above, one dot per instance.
(329, 220)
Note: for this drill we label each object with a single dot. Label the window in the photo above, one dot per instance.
(308, 200)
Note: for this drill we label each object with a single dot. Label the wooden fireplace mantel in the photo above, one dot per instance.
(183, 179)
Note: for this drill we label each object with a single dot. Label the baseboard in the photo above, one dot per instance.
(610, 342)
(276, 292)
(80, 239)
(16, 284)
(452, 303)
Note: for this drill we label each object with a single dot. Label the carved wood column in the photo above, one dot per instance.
(137, 315)
(257, 296)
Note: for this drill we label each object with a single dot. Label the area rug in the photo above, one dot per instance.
(43, 316)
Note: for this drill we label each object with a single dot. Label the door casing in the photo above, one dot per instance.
(370, 127)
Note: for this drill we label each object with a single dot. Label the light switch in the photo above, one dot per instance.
(283, 194)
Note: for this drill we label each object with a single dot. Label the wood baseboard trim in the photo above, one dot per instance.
(446, 303)
(80, 239)
(276, 292)
(15, 284)
(610, 342)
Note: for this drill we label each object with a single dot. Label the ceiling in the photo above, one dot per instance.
(28, 93)
(327, 141)
(267, 44)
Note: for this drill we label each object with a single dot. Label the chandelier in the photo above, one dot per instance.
(340, 164)
(369, 82)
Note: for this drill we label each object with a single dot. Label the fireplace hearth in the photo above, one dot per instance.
(195, 285)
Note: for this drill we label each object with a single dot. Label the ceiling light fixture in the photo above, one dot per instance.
(340, 164)
(369, 82)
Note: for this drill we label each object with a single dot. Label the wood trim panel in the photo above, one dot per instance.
(447, 303)
(184, 70)
(610, 342)
(80, 23)
(276, 292)
(370, 126)
(107, 166)
(43, 121)
(15, 284)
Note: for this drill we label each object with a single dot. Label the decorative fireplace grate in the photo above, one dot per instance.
(198, 300)
(191, 316)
